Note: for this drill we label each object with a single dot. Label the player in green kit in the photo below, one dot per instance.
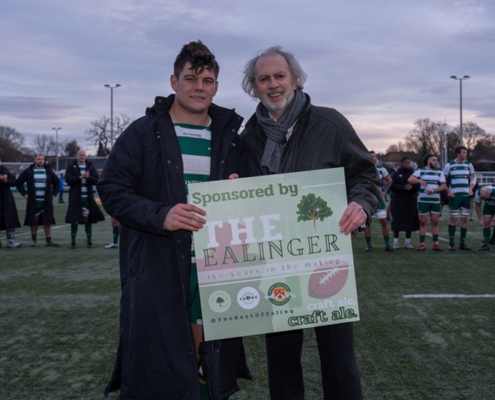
(42, 186)
(381, 212)
(487, 219)
(461, 179)
(81, 176)
(432, 183)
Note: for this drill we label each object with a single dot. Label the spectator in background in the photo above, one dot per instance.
(81, 177)
(42, 186)
(404, 204)
(9, 219)
(61, 190)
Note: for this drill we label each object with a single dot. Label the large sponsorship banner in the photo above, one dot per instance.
(271, 256)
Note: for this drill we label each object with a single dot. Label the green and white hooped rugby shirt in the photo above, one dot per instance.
(40, 186)
(84, 187)
(434, 178)
(490, 201)
(382, 171)
(195, 146)
(459, 176)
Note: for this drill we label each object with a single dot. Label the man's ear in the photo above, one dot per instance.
(216, 88)
(255, 92)
(173, 82)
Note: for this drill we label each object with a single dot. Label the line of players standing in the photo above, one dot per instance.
(417, 195)
(39, 185)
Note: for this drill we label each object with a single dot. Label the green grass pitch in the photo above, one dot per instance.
(59, 313)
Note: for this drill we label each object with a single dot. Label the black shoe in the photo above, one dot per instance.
(368, 248)
(51, 244)
(462, 246)
(485, 247)
(90, 245)
(388, 248)
(451, 247)
(492, 241)
(73, 246)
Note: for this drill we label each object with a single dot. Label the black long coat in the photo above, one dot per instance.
(142, 180)
(404, 202)
(8, 217)
(74, 211)
(51, 189)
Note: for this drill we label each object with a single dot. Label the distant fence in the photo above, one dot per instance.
(485, 178)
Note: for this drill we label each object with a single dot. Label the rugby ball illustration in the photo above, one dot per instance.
(327, 281)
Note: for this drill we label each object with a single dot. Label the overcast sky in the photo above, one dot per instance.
(382, 63)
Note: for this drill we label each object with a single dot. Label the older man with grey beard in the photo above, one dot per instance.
(289, 134)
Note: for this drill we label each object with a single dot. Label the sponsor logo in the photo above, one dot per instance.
(248, 298)
(220, 301)
(279, 294)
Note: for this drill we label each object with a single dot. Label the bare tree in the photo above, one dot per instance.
(12, 148)
(483, 154)
(70, 148)
(471, 134)
(45, 144)
(425, 138)
(395, 148)
(100, 131)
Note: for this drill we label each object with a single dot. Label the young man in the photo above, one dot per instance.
(432, 184)
(8, 210)
(289, 134)
(487, 220)
(381, 212)
(81, 176)
(461, 180)
(42, 187)
(182, 137)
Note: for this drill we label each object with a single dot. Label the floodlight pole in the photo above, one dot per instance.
(460, 95)
(56, 143)
(111, 112)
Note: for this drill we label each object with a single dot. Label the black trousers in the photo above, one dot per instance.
(339, 370)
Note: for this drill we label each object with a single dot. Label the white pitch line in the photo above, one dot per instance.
(447, 296)
(41, 227)
(439, 238)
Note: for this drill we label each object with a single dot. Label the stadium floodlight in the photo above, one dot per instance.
(111, 111)
(460, 86)
(56, 143)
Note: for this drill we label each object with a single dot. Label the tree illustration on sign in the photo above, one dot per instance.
(312, 208)
(220, 300)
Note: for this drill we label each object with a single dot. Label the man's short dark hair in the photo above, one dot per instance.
(404, 159)
(425, 160)
(458, 149)
(372, 152)
(199, 56)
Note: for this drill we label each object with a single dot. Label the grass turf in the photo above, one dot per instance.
(59, 320)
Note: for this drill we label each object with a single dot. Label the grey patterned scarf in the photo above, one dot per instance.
(276, 131)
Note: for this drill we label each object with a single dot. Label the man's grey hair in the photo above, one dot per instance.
(296, 72)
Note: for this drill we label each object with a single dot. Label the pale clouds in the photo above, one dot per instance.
(383, 64)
